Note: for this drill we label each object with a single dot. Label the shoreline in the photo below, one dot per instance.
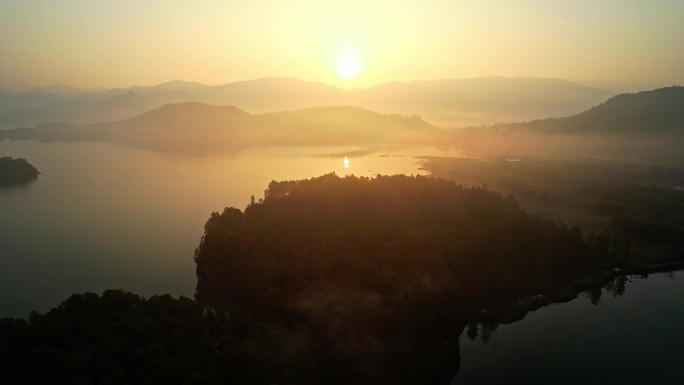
(510, 311)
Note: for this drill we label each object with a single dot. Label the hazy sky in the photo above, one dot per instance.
(618, 44)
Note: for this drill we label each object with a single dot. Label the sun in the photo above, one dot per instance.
(348, 65)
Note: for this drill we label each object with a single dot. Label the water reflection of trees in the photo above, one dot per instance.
(595, 296)
(618, 285)
(484, 330)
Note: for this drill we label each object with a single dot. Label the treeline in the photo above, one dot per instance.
(122, 338)
(118, 338)
(370, 266)
(15, 171)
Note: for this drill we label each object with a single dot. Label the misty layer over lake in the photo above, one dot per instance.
(635, 338)
(103, 216)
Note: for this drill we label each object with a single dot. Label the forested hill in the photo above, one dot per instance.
(387, 233)
(657, 111)
(361, 271)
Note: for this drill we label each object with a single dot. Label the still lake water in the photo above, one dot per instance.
(103, 216)
(637, 338)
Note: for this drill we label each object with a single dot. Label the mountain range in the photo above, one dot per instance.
(656, 117)
(648, 112)
(451, 102)
(647, 125)
(194, 126)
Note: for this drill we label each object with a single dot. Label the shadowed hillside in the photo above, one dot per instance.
(647, 112)
(647, 125)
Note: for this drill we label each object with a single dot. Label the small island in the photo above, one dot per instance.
(16, 171)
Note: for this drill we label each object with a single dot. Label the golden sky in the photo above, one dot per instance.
(617, 44)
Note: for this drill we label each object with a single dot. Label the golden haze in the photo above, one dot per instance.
(612, 44)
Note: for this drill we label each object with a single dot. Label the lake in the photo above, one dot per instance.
(104, 216)
(636, 338)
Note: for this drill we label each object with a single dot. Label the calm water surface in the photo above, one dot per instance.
(104, 216)
(637, 338)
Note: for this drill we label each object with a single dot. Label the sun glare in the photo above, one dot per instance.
(346, 162)
(348, 65)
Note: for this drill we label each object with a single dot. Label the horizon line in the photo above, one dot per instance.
(37, 88)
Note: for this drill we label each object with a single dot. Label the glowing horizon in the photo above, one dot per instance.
(612, 44)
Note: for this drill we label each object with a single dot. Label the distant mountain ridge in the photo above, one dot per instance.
(199, 126)
(186, 116)
(656, 111)
(450, 102)
(484, 99)
(93, 109)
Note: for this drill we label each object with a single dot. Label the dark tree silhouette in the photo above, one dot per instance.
(371, 266)
(16, 171)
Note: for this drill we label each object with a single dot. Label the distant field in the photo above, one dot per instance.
(594, 194)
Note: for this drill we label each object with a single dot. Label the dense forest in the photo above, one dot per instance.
(651, 217)
(327, 280)
(16, 171)
(359, 269)
(417, 236)
(116, 338)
